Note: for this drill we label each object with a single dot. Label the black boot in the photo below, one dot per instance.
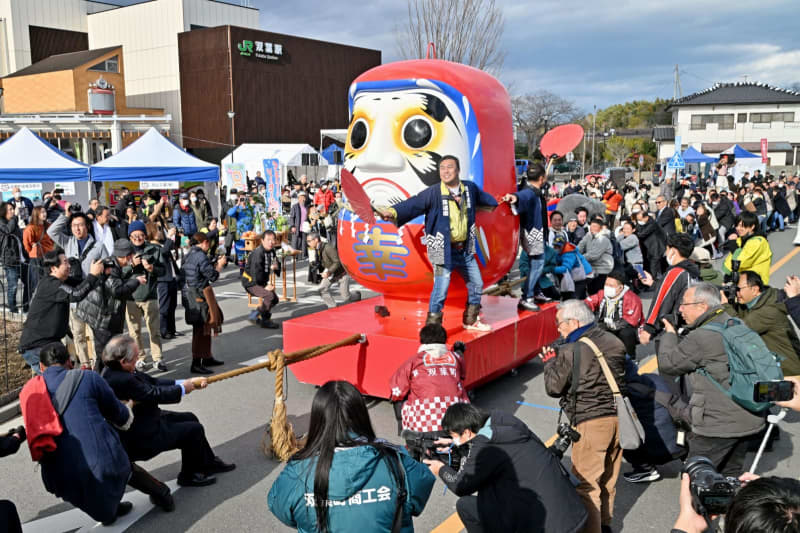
(199, 368)
(434, 318)
(122, 509)
(159, 493)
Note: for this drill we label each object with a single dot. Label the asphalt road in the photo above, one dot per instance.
(235, 413)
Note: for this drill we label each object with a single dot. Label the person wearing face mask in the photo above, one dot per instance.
(183, 218)
(652, 242)
(619, 310)
(519, 482)
(24, 204)
(682, 273)
(200, 208)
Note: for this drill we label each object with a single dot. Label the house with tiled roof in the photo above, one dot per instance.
(735, 113)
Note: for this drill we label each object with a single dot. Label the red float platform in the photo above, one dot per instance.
(516, 337)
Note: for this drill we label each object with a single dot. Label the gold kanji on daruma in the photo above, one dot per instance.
(380, 255)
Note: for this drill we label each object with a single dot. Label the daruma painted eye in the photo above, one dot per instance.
(359, 134)
(417, 132)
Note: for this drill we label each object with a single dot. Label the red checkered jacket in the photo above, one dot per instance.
(431, 381)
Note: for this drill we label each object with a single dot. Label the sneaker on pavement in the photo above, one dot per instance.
(642, 476)
(141, 366)
(160, 366)
(478, 326)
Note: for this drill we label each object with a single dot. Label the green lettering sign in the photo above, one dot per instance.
(245, 48)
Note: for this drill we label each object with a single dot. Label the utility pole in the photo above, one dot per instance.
(594, 116)
(676, 89)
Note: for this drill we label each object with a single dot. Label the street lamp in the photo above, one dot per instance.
(232, 114)
(594, 133)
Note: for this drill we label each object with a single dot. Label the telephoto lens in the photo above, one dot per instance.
(711, 491)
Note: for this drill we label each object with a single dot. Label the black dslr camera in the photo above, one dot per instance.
(566, 436)
(729, 289)
(711, 491)
(422, 446)
(75, 208)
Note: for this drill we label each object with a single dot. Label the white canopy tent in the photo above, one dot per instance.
(290, 156)
(27, 159)
(744, 162)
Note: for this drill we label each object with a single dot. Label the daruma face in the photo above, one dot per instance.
(396, 139)
(404, 118)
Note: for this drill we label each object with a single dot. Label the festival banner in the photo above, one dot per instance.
(233, 176)
(272, 175)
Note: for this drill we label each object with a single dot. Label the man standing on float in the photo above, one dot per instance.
(449, 209)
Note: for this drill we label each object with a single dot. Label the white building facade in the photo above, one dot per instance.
(739, 113)
(148, 33)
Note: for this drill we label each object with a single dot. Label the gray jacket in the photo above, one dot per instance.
(598, 251)
(69, 244)
(712, 413)
(630, 247)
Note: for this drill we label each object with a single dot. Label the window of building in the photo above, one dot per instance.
(741, 118)
(724, 122)
(766, 118)
(109, 65)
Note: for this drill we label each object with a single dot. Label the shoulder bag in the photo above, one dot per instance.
(631, 432)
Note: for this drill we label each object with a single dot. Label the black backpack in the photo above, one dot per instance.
(75, 269)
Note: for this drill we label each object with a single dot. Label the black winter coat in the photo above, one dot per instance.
(198, 269)
(666, 219)
(258, 266)
(148, 432)
(519, 482)
(11, 251)
(652, 238)
(104, 307)
(724, 213)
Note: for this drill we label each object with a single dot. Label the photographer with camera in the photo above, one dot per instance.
(760, 308)
(762, 505)
(49, 313)
(520, 484)
(81, 250)
(576, 376)
(749, 248)
(721, 429)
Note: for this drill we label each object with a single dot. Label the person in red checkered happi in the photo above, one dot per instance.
(429, 382)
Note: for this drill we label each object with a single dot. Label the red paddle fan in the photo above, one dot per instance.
(357, 197)
(560, 140)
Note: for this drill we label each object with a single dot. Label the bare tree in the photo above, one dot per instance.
(617, 150)
(534, 113)
(463, 31)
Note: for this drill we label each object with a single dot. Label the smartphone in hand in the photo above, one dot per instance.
(773, 391)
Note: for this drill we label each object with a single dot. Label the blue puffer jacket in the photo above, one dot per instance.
(185, 221)
(569, 258)
(361, 489)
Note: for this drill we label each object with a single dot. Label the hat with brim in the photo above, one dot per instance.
(700, 255)
(122, 248)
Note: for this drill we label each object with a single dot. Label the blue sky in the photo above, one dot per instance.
(593, 52)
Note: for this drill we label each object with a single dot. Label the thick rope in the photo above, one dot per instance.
(503, 289)
(282, 441)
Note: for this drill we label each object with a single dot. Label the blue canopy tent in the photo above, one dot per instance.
(25, 158)
(153, 157)
(328, 154)
(690, 155)
(739, 152)
(744, 161)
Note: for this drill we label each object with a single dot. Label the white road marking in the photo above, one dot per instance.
(78, 521)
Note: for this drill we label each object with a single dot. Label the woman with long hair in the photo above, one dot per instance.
(37, 243)
(13, 257)
(345, 479)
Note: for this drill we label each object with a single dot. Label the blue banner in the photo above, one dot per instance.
(272, 175)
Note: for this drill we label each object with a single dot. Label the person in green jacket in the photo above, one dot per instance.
(759, 308)
(341, 480)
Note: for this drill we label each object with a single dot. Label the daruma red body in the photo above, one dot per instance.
(404, 117)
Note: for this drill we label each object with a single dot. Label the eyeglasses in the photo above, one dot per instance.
(559, 322)
(684, 304)
(740, 289)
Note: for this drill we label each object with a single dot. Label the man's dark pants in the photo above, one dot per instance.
(167, 304)
(467, 509)
(727, 454)
(184, 432)
(268, 300)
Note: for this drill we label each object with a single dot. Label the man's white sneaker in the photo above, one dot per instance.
(478, 326)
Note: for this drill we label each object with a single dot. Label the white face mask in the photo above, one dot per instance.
(193, 198)
(17, 195)
(610, 291)
(184, 202)
(456, 441)
(670, 260)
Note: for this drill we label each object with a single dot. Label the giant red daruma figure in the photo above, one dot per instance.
(404, 117)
